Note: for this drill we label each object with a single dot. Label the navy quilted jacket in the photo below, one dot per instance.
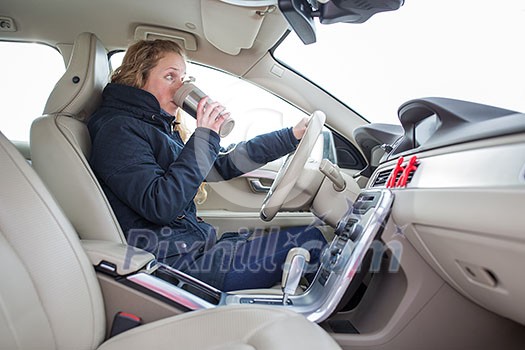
(151, 177)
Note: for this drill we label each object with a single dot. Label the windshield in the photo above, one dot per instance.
(469, 50)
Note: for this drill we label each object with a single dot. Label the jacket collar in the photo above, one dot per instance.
(139, 103)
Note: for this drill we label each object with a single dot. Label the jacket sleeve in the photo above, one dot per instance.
(134, 175)
(250, 155)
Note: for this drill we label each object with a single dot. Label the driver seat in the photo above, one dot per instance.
(50, 297)
(61, 145)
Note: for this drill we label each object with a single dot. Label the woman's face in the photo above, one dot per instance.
(165, 79)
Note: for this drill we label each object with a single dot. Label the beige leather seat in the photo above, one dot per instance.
(50, 297)
(60, 142)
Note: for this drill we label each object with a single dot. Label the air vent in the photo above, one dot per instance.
(382, 178)
(185, 39)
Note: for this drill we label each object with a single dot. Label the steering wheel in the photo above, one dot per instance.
(291, 169)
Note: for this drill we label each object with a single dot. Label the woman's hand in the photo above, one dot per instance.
(299, 129)
(209, 115)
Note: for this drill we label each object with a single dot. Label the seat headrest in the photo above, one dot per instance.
(79, 92)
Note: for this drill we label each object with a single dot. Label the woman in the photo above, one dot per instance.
(151, 173)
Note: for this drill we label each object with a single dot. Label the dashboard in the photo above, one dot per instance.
(462, 206)
(433, 122)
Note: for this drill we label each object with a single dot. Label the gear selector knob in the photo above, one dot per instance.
(294, 265)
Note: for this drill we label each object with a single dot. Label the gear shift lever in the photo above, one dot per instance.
(293, 270)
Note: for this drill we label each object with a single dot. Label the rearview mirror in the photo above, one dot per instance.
(300, 14)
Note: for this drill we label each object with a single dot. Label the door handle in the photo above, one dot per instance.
(257, 186)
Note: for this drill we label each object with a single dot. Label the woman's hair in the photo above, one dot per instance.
(140, 58)
(184, 133)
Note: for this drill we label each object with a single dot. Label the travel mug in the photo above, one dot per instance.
(188, 96)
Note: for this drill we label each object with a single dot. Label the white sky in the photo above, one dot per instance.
(465, 49)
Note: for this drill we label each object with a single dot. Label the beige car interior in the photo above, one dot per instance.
(51, 298)
(446, 260)
(399, 307)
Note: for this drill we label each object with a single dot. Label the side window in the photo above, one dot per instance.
(254, 110)
(29, 72)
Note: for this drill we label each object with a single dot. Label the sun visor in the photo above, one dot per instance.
(231, 28)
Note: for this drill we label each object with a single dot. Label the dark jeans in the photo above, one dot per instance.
(253, 260)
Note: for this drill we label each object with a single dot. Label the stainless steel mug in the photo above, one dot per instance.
(188, 96)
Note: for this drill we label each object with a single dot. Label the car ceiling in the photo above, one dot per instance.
(239, 36)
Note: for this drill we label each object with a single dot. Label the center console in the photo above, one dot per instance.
(340, 272)
(341, 261)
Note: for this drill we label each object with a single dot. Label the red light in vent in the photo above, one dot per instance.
(403, 172)
(410, 168)
(391, 183)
